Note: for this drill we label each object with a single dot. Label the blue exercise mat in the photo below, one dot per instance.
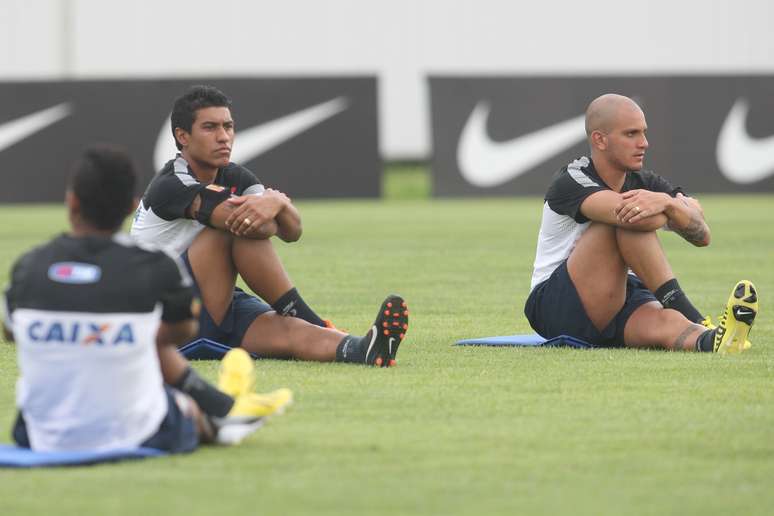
(529, 340)
(206, 349)
(15, 457)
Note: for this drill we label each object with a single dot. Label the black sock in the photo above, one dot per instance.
(351, 349)
(672, 296)
(291, 303)
(210, 400)
(706, 341)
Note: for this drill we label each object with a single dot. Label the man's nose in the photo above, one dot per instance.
(223, 134)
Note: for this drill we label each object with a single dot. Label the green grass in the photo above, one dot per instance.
(460, 430)
(406, 181)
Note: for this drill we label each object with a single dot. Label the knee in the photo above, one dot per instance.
(595, 250)
(601, 229)
(210, 239)
(252, 244)
(630, 234)
(215, 234)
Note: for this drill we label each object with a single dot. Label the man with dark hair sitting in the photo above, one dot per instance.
(97, 320)
(220, 218)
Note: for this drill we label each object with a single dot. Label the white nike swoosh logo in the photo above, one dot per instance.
(389, 344)
(743, 159)
(17, 130)
(256, 140)
(744, 312)
(486, 163)
(373, 340)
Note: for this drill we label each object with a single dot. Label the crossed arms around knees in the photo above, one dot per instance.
(255, 216)
(644, 210)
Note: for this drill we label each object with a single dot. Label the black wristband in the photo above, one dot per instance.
(211, 196)
(212, 401)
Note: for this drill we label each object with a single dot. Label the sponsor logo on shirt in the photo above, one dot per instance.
(74, 272)
(81, 333)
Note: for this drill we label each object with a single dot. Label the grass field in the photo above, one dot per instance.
(460, 430)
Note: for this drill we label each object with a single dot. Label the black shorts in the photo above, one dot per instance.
(240, 314)
(554, 308)
(176, 434)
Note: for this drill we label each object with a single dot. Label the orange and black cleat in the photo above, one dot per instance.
(386, 334)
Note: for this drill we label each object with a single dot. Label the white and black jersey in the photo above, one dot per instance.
(84, 312)
(161, 217)
(563, 223)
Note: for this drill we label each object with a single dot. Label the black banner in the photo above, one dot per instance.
(508, 135)
(309, 137)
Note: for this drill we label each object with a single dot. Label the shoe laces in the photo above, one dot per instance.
(707, 323)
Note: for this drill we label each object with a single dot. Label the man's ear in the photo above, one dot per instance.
(72, 202)
(182, 136)
(598, 140)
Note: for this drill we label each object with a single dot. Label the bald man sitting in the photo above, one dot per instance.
(599, 225)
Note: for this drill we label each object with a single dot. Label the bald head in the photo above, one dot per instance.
(603, 111)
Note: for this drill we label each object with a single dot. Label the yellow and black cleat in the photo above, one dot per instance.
(737, 319)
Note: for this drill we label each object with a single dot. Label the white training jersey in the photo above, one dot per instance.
(84, 313)
(161, 218)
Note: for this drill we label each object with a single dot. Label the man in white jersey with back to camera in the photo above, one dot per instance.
(599, 224)
(220, 219)
(97, 320)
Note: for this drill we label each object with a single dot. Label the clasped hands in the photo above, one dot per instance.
(255, 215)
(637, 205)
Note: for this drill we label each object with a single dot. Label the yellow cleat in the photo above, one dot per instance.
(737, 319)
(237, 379)
(707, 323)
(237, 373)
(253, 404)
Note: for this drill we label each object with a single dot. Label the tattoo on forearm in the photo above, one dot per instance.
(679, 344)
(695, 232)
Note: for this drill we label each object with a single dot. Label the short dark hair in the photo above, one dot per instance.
(186, 106)
(104, 179)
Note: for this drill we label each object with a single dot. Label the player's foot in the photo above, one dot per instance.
(237, 379)
(252, 404)
(737, 319)
(237, 373)
(707, 323)
(232, 430)
(387, 332)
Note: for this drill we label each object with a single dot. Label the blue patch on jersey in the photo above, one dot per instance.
(74, 272)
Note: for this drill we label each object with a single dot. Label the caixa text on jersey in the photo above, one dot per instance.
(79, 332)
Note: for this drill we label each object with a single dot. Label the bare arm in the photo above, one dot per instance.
(5, 319)
(176, 334)
(255, 216)
(688, 221)
(169, 337)
(684, 214)
(288, 219)
(601, 207)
